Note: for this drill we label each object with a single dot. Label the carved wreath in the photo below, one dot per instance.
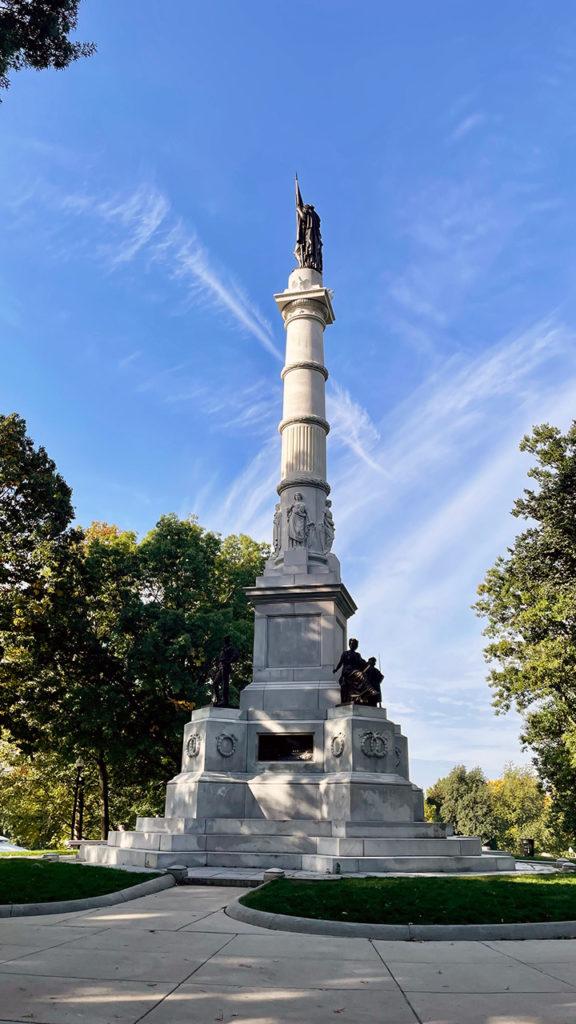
(397, 757)
(374, 744)
(193, 745)
(226, 744)
(337, 745)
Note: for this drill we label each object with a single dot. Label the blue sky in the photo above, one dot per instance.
(146, 197)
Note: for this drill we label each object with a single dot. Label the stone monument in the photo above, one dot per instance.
(294, 778)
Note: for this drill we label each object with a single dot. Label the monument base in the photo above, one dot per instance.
(327, 793)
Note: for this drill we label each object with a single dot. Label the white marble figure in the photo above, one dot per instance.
(328, 528)
(299, 525)
(277, 530)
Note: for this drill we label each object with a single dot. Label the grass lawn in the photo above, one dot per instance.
(36, 853)
(41, 881)
(472, 899)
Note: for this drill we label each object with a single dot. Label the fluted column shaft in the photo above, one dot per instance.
(306, 309)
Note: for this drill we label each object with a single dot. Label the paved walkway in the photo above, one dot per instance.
(175, 957)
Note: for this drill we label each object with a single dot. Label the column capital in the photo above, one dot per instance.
(315, 301)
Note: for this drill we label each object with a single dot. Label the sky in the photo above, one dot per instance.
(146, 202)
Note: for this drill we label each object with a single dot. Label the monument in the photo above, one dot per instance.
(308, 773)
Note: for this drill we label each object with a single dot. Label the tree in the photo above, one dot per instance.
(35, 504)
(524, 810)
(462, 799)
(529, 600)
(34, 34)
(107, 642)
(503, 811)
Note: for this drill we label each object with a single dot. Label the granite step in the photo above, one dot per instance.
(241, 826)
(369, 847)
(113, 856)
(391, 829)
(413, 865)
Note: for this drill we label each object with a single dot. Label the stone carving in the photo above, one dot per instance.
(221, 678)
(193, 745)
(299, 525)
(226, 744)
(374, 744)
(277, 530)
(308, 249)
(397, 757)
(337, 745)
(327, 529)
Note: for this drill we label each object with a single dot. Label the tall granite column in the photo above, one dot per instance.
(301, 606)
(306, 309)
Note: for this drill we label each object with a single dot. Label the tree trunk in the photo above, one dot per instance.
(104, 795)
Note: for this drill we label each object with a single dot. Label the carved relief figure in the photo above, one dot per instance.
(308, 249)
(299, 525)
(277, 530)
(221, 678)
(328, 529)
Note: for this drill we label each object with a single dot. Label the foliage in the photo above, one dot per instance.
(23, 880)
(34, 34)
(463, 800)
(108, 642)
(502, 811)
(468, 899)
(529, 600)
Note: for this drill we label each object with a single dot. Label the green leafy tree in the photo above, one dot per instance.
(35, 34)
(108, 643)
(462, 799)
(528, 598)
(524, 810)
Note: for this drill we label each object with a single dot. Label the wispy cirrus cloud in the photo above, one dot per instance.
(466, 125)
(140, 224)
(351, 425)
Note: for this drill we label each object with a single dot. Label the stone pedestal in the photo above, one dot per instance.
(322, 792)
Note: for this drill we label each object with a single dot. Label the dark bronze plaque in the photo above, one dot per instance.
(286, 746)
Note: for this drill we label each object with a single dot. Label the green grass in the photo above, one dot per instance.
(64, 852)
(42, 881)
(476, 899)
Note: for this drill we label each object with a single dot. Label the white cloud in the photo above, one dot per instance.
(466, 125)
(140, 224)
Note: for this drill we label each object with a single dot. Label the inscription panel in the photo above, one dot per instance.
(294, 641)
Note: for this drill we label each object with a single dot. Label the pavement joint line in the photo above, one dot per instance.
(44, 949)
(537, 966)
(38, 974)
(397, 983)
(182, 982)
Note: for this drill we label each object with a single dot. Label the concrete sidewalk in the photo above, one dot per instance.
(175, 957)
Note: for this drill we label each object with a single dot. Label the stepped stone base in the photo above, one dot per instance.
(343, 804)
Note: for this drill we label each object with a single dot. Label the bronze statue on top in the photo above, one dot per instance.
(360, 680)
(308, 249)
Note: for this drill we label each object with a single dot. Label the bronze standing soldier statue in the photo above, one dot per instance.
(221, 680)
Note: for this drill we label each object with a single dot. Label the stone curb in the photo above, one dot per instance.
(402, 932)
(90, 903)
